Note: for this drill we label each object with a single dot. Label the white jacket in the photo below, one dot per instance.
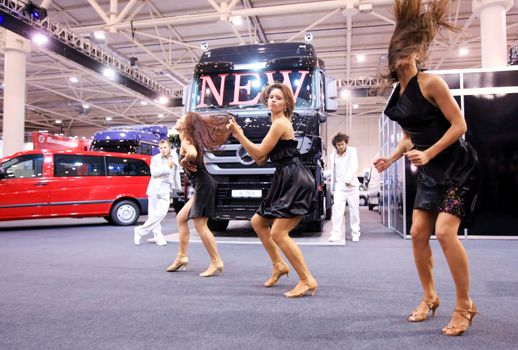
(351, 161)
(162, 173)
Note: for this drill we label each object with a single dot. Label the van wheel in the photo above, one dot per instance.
(217, 225)
(125, 213)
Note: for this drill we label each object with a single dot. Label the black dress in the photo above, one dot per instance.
(293, 189)
(450, 182)
(204, 192)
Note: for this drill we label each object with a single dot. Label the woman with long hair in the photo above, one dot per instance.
(448, 175)
(292, 193)
(198, 134)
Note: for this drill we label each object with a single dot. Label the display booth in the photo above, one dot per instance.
(489, 101)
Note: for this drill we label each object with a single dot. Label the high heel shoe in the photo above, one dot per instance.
(453, 329)
(432, 305)
(302, 288)
(279, 270)
(180, 262)
(213, 269)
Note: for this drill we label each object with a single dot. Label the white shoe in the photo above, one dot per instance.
(355, 238)
(334, 238)
(160, 240)
(136, 236)
(151, 240)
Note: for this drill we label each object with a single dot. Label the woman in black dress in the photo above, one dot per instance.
(198, 133)
(292, 194)
(448, 176)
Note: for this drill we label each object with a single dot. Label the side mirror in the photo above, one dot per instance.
(3, 175)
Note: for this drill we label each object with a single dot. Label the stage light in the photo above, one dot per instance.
(40, 39)
(37, 13)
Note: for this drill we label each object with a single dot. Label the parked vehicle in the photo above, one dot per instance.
(133, 139)
(373, 189)
(230, 79)
(48, 184)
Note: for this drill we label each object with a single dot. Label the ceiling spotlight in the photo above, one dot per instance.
(236, 20)
(40, 39)
(109, 73)
(58, 121)
(204, 46)
(463, 51)
(74, 80)
(160, 115)
(108, 118)
(356, 106)
(100, 35)
(85, 105)
(308, 37)
(163, 100)
(360, 58)
(345, 93)
(37, 13)
(143, 103)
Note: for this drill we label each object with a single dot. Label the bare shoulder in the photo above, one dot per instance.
(430, 81)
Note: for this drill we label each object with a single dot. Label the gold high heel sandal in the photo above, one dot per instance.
(432, 305)
(455, 330)
(302, 288)
(180, 262)
(279, 270)
(213, 269)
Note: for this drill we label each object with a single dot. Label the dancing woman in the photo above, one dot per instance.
(448, 175)
(292, 193)
(198, 134)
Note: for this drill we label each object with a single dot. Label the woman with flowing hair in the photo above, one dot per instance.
(448, 177)
(292, 193)
(198, 134)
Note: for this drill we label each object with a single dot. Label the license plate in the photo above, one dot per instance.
(247, 193)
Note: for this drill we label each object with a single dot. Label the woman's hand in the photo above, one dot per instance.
(187, 165)
(381, 164)
(233, 127)
(417, 158)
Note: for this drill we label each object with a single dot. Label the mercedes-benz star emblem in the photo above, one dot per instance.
(243, 156)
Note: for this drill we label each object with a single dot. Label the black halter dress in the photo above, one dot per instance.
(450, 182)
(204, 192)
(293, 189)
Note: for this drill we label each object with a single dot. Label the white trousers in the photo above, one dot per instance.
(351, 195)
(158, 206)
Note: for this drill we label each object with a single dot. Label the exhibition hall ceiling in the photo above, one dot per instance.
(166, 38)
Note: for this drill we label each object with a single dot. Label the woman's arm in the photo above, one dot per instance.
(436, 91)
(259, 153)
(189, 153)
(403, 147)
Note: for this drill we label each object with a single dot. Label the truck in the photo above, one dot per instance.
(230, 80)
(132, 139)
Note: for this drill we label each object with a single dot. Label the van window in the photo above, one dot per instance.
(126, 167)
(27, 166)
(77, 165)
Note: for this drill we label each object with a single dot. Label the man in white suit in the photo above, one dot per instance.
(164, 175)
(345, 187)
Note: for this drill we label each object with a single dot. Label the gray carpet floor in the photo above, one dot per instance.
(86, 286)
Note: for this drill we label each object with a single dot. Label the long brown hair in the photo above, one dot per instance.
(206, 133)
(287, 94)
(416, 27)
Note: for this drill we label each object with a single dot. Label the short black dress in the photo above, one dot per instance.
(450, 182)
(293, 189)
(204, 192)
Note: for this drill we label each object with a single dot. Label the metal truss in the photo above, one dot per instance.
(70, 39)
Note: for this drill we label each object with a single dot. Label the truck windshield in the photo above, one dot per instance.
(241, 89)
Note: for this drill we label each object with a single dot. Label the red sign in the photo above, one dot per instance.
(43, 140)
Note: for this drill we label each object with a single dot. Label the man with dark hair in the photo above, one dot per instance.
(345, 187)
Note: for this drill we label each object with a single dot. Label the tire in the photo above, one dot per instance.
(314, 226)
(124, 213)
(371, 206)
(177, 205)
(363, 201)
(217, 225)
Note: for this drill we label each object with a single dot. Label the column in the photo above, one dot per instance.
(16, 49)
(493, 32)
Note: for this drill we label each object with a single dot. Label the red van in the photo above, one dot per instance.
(47, 184)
